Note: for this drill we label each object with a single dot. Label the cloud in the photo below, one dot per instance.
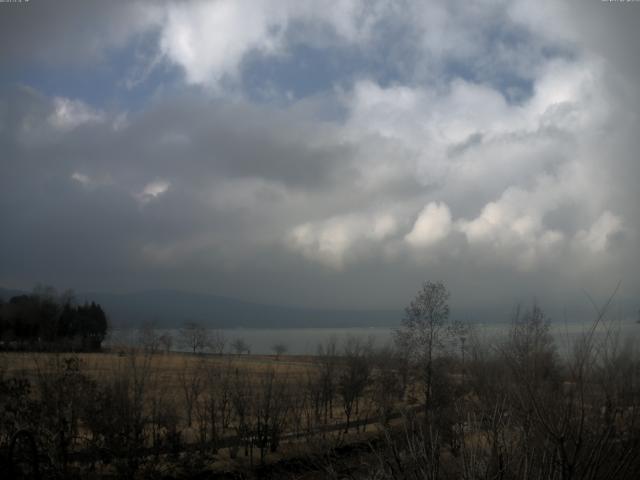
(599, 236)
(210, 40)
(153, 190)
(340, 239)
(431, 227)
(512, 228)
(41, 31)
(81, 178)
(68, 114)
(493, 141)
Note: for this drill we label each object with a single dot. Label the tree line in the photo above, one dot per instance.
(44, 320)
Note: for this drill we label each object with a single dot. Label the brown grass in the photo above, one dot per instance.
(31, 364)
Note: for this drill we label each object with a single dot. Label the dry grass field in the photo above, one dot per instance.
(99, 365)
(212, 401)
(164, 374)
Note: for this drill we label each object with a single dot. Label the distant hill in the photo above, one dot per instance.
(170, 308)
(7, 293)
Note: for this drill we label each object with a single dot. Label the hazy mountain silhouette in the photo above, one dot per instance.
(170, 308)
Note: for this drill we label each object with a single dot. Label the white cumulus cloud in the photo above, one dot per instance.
(598, 236)
(431, 227)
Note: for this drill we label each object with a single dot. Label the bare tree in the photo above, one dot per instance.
(241, 395)
(279, 349)
(214, 412)
(424, 327)
(217, 341)
(326, 360)
(240, 346)
(192, 379)
(148, 338)
(387, 381)
(194, 337)
(354, 377)
(530, 346)
(166, 342)
(270, 411)
(310, 401)
(119, 418)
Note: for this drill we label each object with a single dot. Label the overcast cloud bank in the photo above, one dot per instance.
(304, 153)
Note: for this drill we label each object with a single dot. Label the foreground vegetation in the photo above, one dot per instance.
(438, 404)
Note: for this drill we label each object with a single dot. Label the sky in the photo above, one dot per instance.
(326, 154)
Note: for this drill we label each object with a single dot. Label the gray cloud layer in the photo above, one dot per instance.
(502, 159)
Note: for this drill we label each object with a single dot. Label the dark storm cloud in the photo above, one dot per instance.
(74, 195)
(67, 32)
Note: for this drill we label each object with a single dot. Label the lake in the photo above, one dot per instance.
(304, 341)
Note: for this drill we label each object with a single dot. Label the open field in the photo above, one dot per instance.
(98, 364)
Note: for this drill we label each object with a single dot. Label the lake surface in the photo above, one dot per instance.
(305, 341)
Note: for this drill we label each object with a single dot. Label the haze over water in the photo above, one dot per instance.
(305, 341)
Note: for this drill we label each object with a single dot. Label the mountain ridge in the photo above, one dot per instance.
(172, 308)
